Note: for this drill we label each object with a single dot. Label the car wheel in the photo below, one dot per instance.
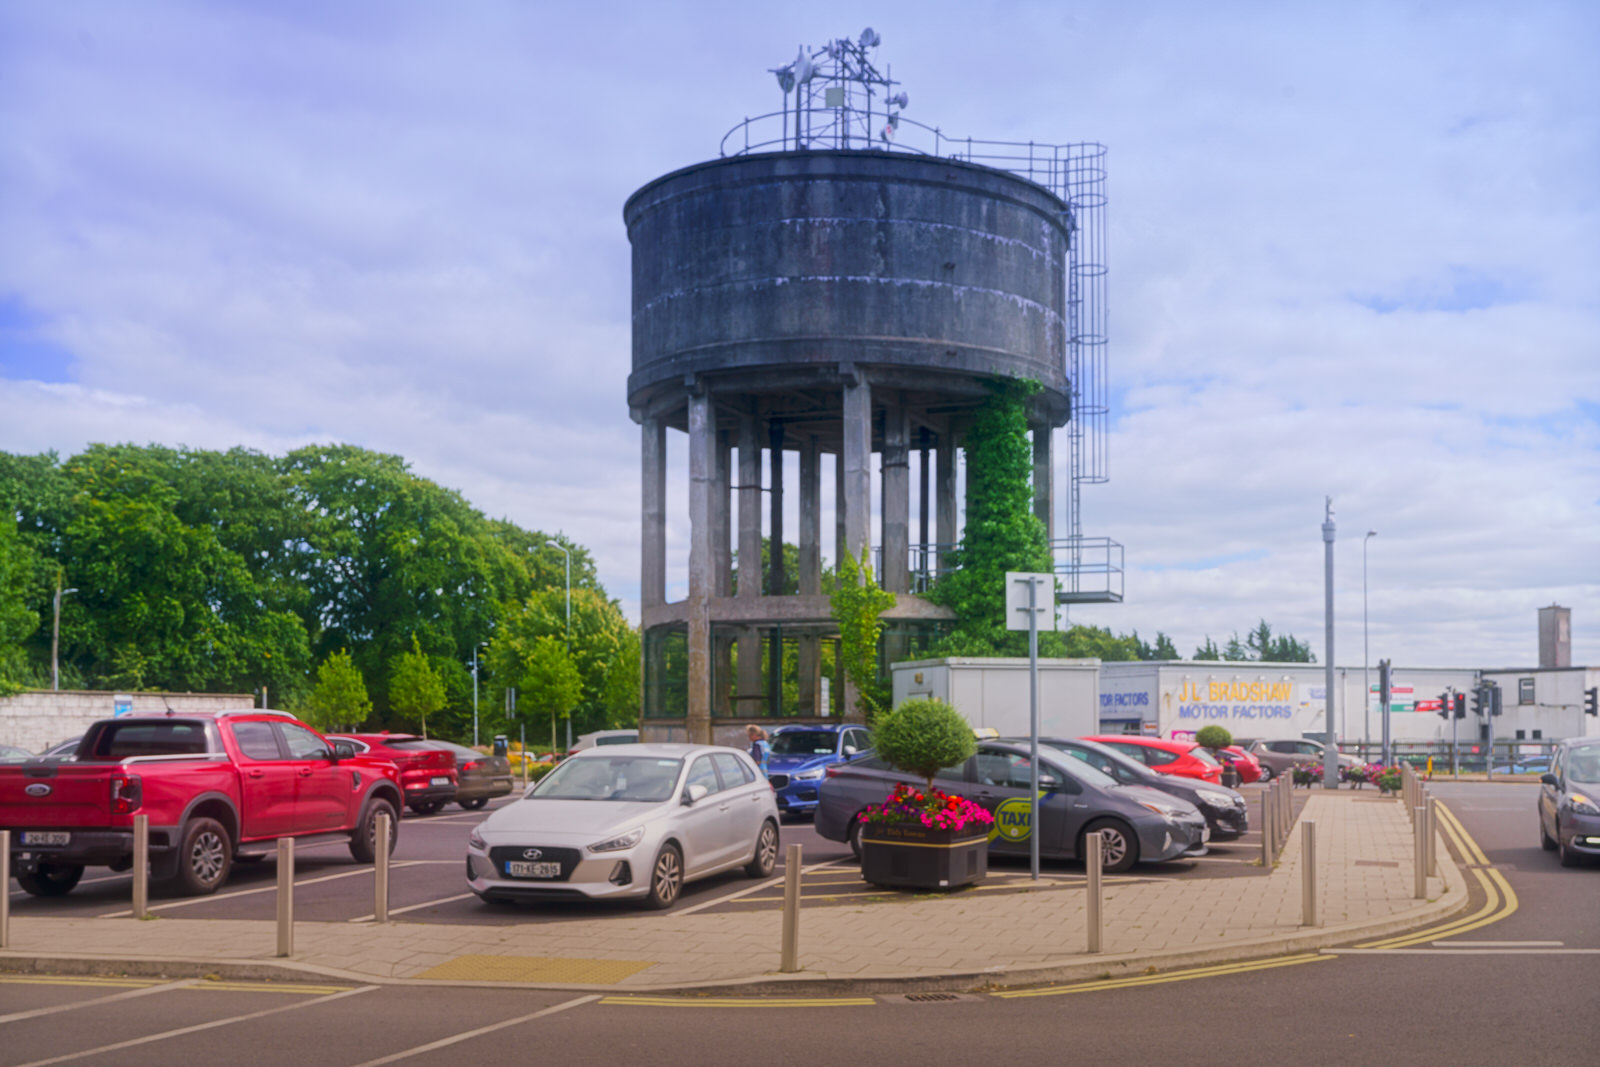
(427, 807)
(666, 878)
(473, 805)
(364, 839)
(204, 858)
(1266, 773)
(51, 879)
(766, 857)
(1119, 848)
(854, 837)
(1546, 842)
(1569, 856)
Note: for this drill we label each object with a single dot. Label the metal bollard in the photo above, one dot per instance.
(1267, 857)
(1308, 875)
(1419, 854)
(1431, 839)
(5, 888)
(791, 910)
(141, 866)
(285, 896)
(380, 870)
(1093, 864)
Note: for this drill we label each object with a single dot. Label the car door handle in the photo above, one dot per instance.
(258, 774)
(305, 772)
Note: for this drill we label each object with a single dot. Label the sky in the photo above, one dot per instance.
(1354, 253)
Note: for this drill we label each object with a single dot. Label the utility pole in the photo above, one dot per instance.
(1330, 750)
(568, 555)
(55, 637)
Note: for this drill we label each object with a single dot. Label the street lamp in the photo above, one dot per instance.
(568, 555)
(1366, 687)
(55, 639)
(475, 692)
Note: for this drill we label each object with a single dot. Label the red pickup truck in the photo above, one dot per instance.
(215, 786)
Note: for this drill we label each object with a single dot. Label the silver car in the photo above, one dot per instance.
(628, 821)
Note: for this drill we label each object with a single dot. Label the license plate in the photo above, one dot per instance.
(440, 781)
(45, 837)
(518, 869)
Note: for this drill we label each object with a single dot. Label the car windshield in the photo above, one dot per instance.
(1204, 756)
(1584, 766)
(804, 743)
(643, 779)
(1100, 761)
(461, 751)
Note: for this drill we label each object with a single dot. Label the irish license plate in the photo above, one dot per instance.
(46, 837)
(518, 869)
(444, 780)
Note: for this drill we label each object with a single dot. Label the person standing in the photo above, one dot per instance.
(759, 749)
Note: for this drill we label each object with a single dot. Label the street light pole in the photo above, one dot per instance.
(55, 638)
(1330, 748)
(475, 694)
(568, 555)
(1366, 686)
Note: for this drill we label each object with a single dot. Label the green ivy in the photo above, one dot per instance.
(857, 601)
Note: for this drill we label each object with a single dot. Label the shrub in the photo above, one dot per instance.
(923, 736)
(1213, 737)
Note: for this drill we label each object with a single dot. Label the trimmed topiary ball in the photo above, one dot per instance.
(1213, 737)
(923, 736)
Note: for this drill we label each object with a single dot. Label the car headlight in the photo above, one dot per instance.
(1162, 809)
(1215, 799)
(475, 840)
(1583, 805)
(809, 776)
(620, 842)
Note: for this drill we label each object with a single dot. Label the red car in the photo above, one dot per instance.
(1183, 758)
(427, 773)
(1248, 766)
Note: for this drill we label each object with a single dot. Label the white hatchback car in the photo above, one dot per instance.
(624, 821)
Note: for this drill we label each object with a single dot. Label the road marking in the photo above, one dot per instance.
(412, 907)
(1463, 951)
(269, 987)
(81, 980)
(212, 1025)
(1161, 979)
(126, 995)
(263, 889)
(1499, 944)
(769, 883)
(740, 1002)
(445, 1042)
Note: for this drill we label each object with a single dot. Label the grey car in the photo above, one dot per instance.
(628, 821)
(1139, 824)
(1224, 810)
(479, 778)
(1569, 801)
(1278, 756)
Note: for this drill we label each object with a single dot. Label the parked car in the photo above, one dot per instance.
(427, 772)
(216, 786)
(479, 778)
(62, 749)
(1140, 824)
(1279, 756)
(800, 757)
(1569, 801)
(13, 754)
(628, 821)
(1224, 810)
(1531, 765)
(1183, 758)
(604, 737)
(1246, 765)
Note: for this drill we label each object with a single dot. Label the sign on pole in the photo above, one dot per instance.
(1031, 606)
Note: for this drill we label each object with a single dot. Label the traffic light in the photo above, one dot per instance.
(1494, 699)
(1461, 705)
(1477, 701)
(1384, 689)
(1591, 701)
(1444, 705)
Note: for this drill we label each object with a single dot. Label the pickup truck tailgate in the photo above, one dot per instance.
(55, 794)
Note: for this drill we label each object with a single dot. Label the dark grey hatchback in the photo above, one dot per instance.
(1569, 801)
(1224, 809)
(1138, 823)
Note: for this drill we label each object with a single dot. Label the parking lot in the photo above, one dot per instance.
(427, 882)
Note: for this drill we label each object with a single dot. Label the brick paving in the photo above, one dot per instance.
(967, 941)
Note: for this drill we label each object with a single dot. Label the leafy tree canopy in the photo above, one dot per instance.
(415, 688)
(339, 699)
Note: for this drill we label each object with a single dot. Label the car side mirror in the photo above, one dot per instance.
(1049, 783)
(851, 750)
(1550, 780)
(343, 750)
(694, 794)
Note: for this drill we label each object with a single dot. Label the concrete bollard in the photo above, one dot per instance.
(1308, 875)
(380, 870)
(1267, 852)
(285, 896)
(1094, 864)
(791, 910)
(141, 866)
(1432, 839)
(1419, 853)
(5, 888)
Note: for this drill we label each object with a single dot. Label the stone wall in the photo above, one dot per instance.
(39, 718)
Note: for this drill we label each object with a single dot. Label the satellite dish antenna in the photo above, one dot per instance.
(870, 38)
(804, 69)
(899, 100)
(785, 79)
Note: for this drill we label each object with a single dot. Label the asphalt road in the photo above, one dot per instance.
(1483, 996)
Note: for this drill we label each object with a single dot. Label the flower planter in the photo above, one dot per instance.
(908, 856)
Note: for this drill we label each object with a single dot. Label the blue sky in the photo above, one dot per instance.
(1354, 250)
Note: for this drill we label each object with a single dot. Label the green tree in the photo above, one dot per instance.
(17, 620)
(1163, 648)
(1208, 651)
(415, 688)
(339, 699)
(1085, 641)
(922, 737)
(619, 693)
(600, 636)
(857, 602)
(551, 684)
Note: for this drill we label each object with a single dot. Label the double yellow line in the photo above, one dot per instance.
(1162, 979)
(740, 1002)
(1500, 899)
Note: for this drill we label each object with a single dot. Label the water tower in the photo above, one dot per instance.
(838, 287)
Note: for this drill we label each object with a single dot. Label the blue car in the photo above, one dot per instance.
(800, 758)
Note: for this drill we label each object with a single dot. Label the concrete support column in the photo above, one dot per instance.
(653, 536)
(896, 506)
(944, 496)
(1044, 482)
(776, 579)
(747, 690)
(840, 540)
(722, 642)
(856, 429)
(809, 659)
(924, 558)
(702, 475)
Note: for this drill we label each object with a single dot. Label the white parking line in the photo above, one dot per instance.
(445, 1042)
(165, 1034)
(124, 995)
(769, 883)
(263, 889)
(412, 907)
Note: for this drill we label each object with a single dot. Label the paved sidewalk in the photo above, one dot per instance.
(961, 942)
